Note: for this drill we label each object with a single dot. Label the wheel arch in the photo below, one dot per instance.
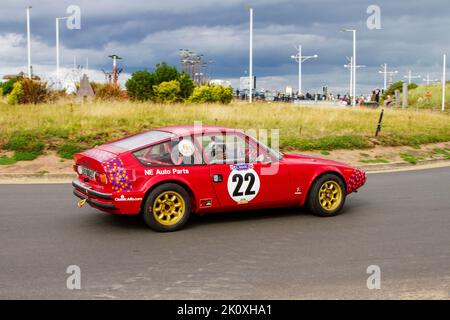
(180, 183)
(319, 174)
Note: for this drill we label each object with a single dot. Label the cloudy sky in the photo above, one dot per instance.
(413, 35)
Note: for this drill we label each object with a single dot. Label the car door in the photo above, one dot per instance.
(243, 174)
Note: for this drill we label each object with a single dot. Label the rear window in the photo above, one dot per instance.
(142, 139)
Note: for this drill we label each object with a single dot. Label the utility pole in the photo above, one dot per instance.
(300, 59)
(428, 80)
(250, 68)
(385, 73)
(30, 73)
(409, 76)
(114, 57)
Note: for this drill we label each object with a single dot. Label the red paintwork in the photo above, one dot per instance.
(288, 187)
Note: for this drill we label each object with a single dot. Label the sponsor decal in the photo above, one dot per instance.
(123, 198)
(205, 202)
(151, 172)
(186, 148)
(241, 166)
(117, 175)
(356, 180)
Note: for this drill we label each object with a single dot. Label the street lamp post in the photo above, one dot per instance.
(29, 43)
(385, 74)
(300, 59)
(354, 64)
(444, 78)
(350, 67)
(57, 49)
(250, 67)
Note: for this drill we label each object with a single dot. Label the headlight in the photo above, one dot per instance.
(80, 169)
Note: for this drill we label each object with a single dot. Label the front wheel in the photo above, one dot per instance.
(327, 196)
(167, 208)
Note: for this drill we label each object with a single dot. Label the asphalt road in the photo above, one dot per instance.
(398, 221)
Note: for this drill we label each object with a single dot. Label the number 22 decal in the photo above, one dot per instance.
(240, 179)
(243, 185)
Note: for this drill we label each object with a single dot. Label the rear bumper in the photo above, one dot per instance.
(94, 198)
(88, 191)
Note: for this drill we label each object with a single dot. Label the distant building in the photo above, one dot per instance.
(19, 75)
(220, 82)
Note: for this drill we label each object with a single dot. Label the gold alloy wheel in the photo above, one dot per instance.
(330, 195)
(169, 208)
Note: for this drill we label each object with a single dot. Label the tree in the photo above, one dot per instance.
(140, 85)
(167, 91)
(165, 73)
(397, 86)
(186, 86)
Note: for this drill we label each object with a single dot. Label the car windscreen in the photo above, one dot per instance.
(142, 139)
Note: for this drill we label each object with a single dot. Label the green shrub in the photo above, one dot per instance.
(213, 94)
(141, 86)
(6, 161)
(8, 86)
(408, 158)
(167, 91)
(390, 91)
(24, 142)
(25, 155)
(165, 73)
(67, 150)
(16, 95)
(28, 91)
(186, 86)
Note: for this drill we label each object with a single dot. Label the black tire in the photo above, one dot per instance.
(313, 202)
(149, 217)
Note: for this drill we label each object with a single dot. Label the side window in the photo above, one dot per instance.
(224, 148)
(257, 153)
(185, 151)
(180, 151)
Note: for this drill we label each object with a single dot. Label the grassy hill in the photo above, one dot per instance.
(429, 97)
(28, 130)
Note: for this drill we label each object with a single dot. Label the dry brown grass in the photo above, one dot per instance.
(300, 127)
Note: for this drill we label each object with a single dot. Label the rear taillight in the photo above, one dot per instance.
(101, 178)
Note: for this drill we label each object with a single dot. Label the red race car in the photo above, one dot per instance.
(168, 173)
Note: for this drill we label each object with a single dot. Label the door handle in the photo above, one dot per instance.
(217, 178)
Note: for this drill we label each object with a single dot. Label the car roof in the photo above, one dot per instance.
(191, 129)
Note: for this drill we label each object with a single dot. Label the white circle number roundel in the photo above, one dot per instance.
(243, 185)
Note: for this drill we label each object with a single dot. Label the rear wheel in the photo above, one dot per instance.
(327, 196)
(167, 208)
